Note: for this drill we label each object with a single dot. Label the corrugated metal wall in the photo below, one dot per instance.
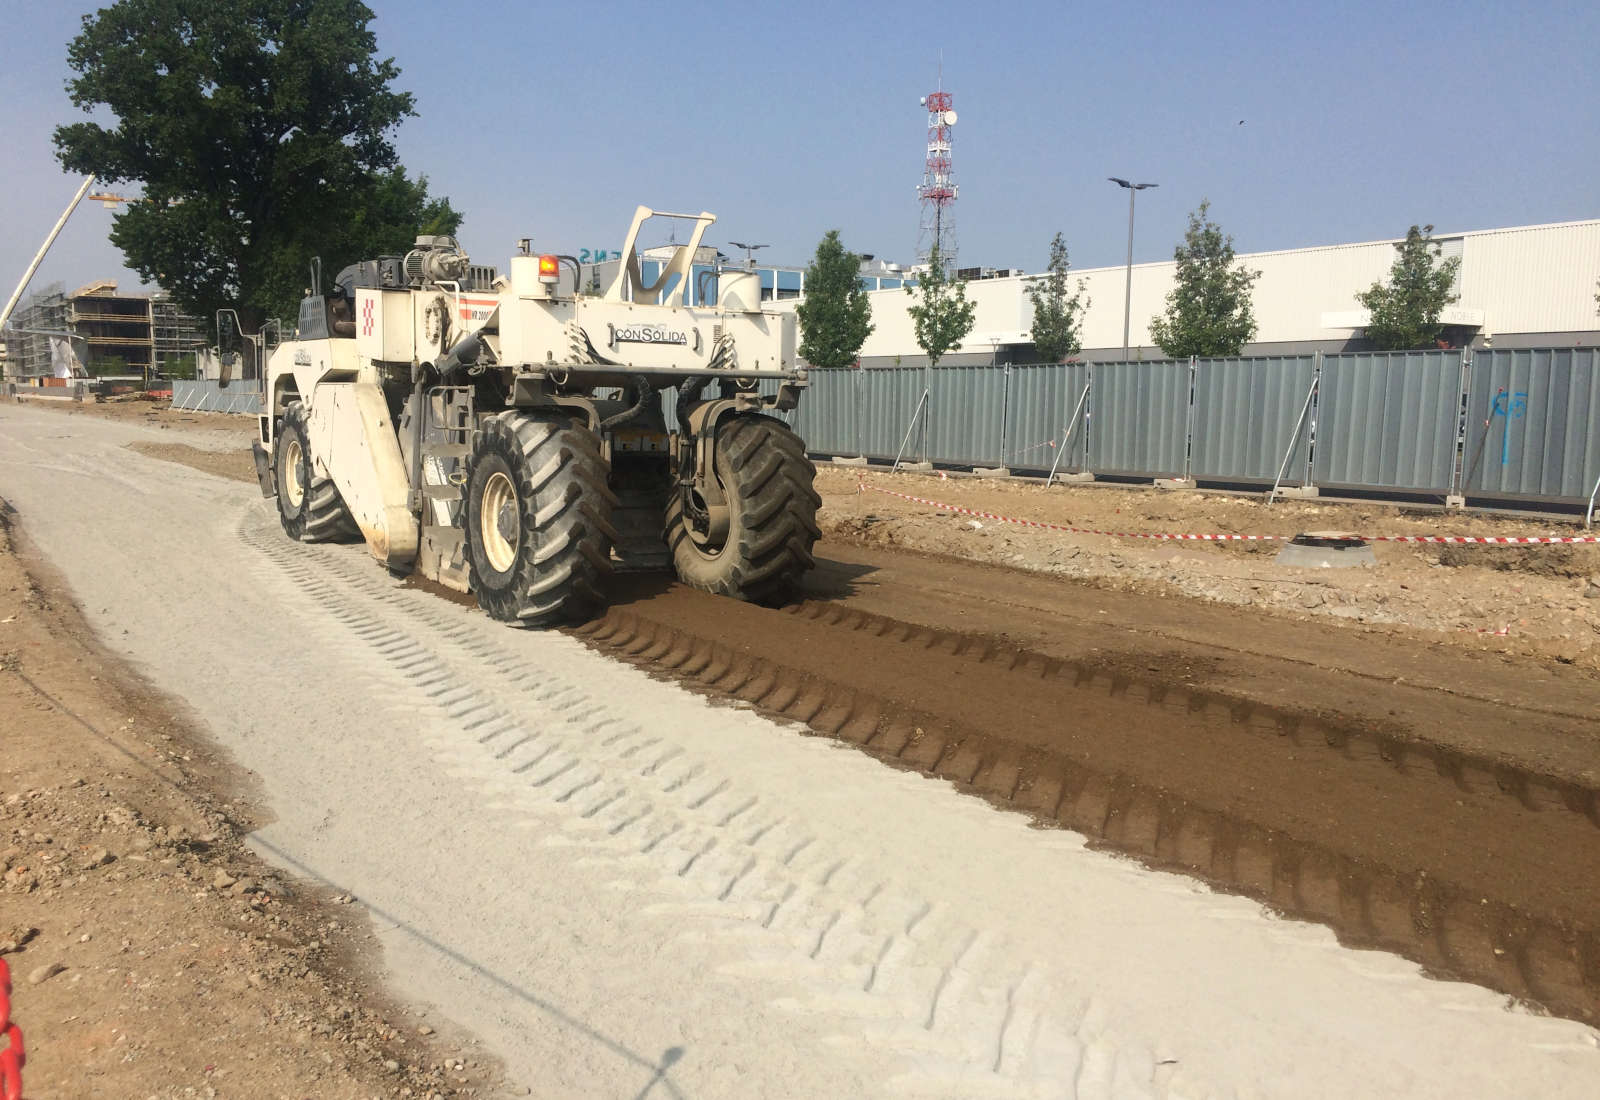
(968, 415)
(1379, 421)
(828, 418)
(1140, 418)
(1039, 407)
(888, 399)
(1246, 412)
(1388, 420)
(1533, 423)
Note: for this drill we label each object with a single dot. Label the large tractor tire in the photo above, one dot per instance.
(772, 524)
(538, 519)
(309, 505)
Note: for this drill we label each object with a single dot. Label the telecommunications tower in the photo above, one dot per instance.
(938, 190)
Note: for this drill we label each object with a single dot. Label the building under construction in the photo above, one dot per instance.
(110, 333)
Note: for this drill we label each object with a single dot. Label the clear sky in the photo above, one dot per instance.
(1302, 123)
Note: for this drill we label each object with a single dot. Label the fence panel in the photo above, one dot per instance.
(889, 396)
(1141, 418)
(1246, 413)
(829, 412)
(241, 396)
(968, 422)
(1039, 406)
(1531, 427)
(1388, 420)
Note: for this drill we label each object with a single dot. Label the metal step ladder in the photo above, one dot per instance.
(449, 419)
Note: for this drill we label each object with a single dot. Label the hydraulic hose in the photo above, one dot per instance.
(643, 392)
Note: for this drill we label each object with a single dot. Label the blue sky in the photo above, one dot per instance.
(554, 120)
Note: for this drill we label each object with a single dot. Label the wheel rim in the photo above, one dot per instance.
(293, 488)
(499, 525)
(692, 518)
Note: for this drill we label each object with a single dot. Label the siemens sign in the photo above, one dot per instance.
(598, 255)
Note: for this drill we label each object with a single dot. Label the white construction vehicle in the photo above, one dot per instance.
(507, 438)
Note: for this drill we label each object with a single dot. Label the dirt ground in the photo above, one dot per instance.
(1537, 601)
(152, 954)
(1404, 752)
(154, 412)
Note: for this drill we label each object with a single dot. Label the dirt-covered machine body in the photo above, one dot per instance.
(504, 435)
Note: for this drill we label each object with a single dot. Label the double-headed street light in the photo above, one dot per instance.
(1127, 297)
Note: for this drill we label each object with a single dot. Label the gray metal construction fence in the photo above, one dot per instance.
(209, 395)
(1517, 425)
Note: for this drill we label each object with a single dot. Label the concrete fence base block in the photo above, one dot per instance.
(1455, 502)
(1174, 483)
(1299, 492)
(917, 467)
(991, 471)
(840, 460)
(1082, 477)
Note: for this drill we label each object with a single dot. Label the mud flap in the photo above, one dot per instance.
(269, 484)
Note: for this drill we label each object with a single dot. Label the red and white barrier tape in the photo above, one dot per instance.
(12, 1055)
(1458, 540)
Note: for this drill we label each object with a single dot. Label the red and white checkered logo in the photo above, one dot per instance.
(366, 317)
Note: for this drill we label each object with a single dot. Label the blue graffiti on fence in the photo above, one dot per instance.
(1511, 406)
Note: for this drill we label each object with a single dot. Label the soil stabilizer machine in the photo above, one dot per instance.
(504, 437)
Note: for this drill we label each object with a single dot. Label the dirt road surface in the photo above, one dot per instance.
(624, 889)
(152, 954)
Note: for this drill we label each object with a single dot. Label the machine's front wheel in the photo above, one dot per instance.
(309, 505)
(538, 519)
(765, 477)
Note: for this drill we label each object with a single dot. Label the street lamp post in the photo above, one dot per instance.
(1127, 296)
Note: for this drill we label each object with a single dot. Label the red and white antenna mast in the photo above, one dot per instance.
(938, 190)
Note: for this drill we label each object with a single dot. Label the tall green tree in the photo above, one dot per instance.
(259, 131)
(1209, 311)
(940, 312)
(1057, 315)
(834, 312)
(1405, 310)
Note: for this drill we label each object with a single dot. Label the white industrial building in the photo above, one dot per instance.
(1526, 286)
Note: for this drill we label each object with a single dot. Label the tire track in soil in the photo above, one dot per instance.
(897, 969)
(1475, 869)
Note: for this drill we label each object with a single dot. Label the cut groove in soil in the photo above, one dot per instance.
(1474, 868)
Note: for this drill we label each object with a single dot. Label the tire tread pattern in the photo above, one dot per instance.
(565, 513)
(768, 478)
(323, 516)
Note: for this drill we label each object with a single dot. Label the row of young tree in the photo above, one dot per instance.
(1209, 309)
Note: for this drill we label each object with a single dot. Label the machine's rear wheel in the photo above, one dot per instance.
(309, 505)
(538, 519)
(772, 515)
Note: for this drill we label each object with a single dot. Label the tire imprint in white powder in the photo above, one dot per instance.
(898, 971)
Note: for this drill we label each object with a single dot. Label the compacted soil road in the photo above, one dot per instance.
(628, 888)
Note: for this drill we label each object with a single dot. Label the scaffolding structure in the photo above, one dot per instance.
(113, 333)
(174, 332)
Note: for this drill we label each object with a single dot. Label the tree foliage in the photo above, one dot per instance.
(1057, 315)
(1209, 311)
(1405, 310)
(834, 313)
(259, 131)
(940, 312)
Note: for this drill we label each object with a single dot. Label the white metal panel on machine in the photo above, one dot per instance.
(385, 325)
